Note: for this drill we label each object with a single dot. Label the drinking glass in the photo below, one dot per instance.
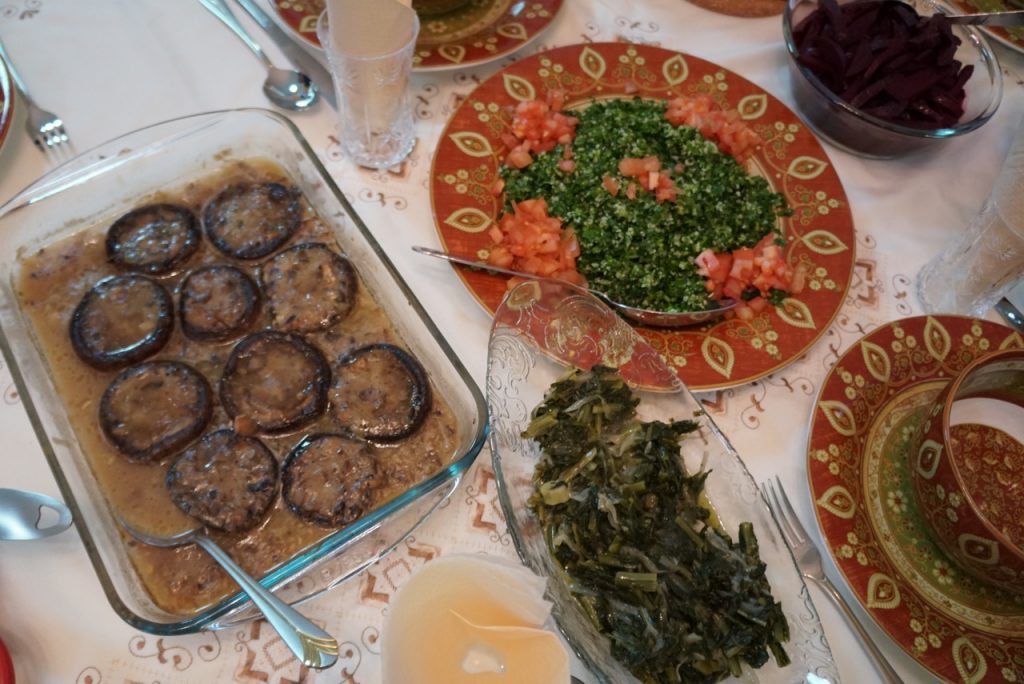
(984, 262)
(375, 114)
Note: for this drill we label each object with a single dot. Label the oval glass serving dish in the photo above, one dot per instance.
(63, 216)
(543, 328)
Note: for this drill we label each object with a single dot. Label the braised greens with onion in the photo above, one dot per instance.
(679, 600)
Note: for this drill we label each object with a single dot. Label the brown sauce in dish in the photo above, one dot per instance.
(184, 580)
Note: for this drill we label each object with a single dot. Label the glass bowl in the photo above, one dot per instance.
(868, 136)
(541, 329)
(100, 186)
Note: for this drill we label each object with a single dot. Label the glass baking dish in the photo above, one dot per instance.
(108, 181)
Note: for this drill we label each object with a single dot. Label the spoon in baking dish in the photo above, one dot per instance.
(28, 515)
(664, 319)
(287, 88)
(310, 644)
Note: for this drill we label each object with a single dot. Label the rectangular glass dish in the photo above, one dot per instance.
(116, 177)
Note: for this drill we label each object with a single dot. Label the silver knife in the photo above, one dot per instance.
(296, 54)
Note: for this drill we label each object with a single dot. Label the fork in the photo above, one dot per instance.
(45, 128)
(808, 559)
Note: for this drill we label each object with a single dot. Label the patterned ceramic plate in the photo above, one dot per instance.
(6, 102)
(819, 234)
(479, 32)
(743, 8)
(865, 417)
(1012, 38)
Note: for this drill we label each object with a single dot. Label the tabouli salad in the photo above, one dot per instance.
(646, 200)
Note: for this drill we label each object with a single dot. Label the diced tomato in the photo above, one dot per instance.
(567, 165)
(519, 158)
(611, 185)
(528, 239)
(537, 126)
(723, 127)
(761, 268)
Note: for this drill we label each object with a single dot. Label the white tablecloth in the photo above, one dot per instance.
(110, 66)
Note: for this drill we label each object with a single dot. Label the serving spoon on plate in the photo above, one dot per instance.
(664, 319)
(311, 645)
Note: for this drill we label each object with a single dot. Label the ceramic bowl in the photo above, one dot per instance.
(968, 478)
(858, 132)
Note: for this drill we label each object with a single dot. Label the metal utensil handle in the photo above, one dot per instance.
(885, 670)
(312, 645)
(474, 264)
(1008, 19)
(21, 513)
(222, 12)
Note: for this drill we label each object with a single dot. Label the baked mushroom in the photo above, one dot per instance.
(329, 479)
(121, 321)
(252, 220)
(309, 287)
(226, 480)
(380, 392)
(155, 408)
(217, 303)
(274, 382)
(153, 239)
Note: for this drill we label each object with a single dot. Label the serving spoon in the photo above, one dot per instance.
(311, 645)
(664, 319)
(23, 515)
(287, 88)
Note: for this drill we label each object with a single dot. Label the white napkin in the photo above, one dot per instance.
(367, 28)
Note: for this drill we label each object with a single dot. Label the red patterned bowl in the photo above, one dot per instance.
(969, 478)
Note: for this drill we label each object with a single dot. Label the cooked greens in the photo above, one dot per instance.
(678, 599)
(640, 251)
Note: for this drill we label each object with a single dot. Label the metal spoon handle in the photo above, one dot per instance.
(475, 264)
(1010, 18)
(310, 644)
(21, 515)
(221, 11)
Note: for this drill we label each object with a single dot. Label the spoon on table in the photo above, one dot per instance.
(287, 88)
(24, 516)
(311, 645)
(664, 319)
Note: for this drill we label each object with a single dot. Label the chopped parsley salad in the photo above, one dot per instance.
(645, 200)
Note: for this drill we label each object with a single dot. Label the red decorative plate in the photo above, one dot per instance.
(6, 102)
(819, 234)
(479, 32)
(1012, 38)
(6, 666)
(858, 454)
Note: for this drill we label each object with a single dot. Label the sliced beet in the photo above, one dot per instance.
(882, 57)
